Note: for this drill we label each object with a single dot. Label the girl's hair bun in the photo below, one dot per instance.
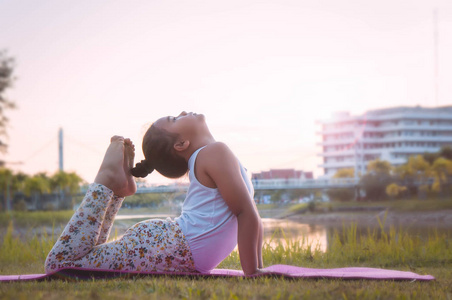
(142, 169)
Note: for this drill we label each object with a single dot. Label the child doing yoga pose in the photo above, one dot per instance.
(217, 214)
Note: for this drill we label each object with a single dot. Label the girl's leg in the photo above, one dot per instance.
(83, 230)
(107, 224)
(149, 246)
(116, 201)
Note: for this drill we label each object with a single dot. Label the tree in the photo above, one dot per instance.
(11, 184)
(345, 173)
(379, 167)
(6, 81)
(430, 157)
(415, 174)
(442, 173)
(445, 152)
(342, 194)
(6, 176)
(65, 183)
(36, 186)
(393, 190)
(18, 183)
(377, 178)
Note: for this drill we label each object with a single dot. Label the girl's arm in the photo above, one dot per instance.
(259, 245)
(220, 164)
(260, 241)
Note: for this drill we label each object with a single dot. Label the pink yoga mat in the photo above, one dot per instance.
(276, 270)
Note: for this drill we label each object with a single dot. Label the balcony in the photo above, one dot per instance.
(379, 151)
(341, 165)
(379, 129)
(392, 139)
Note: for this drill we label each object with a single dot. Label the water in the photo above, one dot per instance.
(281, 231)
(277, 230)
(316, 235)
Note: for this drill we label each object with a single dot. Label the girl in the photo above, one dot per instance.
(218, 212)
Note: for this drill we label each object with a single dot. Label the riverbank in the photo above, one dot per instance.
(433, 219)
(431, 213)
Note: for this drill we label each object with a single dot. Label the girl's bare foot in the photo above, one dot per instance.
(111, 172)
(129, 155)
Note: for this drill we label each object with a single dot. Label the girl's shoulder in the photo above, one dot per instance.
(214, 150)
(215, 154)
(216, 146)
(211, 160)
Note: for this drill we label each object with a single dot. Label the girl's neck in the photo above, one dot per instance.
(196, 144)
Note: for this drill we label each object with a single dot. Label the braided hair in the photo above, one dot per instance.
(160, 155)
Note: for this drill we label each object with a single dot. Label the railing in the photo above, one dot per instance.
(162, 189)
(262, 184)
(266, 184)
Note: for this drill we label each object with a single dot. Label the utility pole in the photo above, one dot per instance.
(60, 149)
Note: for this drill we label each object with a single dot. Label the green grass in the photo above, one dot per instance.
(384, 248)
(421, 205)
(300, 207)
(35, 219)
(264, 288)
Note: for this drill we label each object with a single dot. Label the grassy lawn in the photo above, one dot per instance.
(391, 249)
(236, 288)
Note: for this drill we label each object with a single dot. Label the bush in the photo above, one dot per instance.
(49, 207)
(341, 194)
(375, 185)
(20, 205)
(393, 190)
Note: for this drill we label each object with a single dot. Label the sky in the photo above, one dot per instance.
(262, 72)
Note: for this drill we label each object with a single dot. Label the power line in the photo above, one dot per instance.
(87, 147)
(39, 150)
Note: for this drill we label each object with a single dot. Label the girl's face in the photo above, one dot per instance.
(185, 124)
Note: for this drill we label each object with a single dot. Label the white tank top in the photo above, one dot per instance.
(207, 222)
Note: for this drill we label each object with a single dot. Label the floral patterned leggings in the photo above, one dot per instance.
(151, 245)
